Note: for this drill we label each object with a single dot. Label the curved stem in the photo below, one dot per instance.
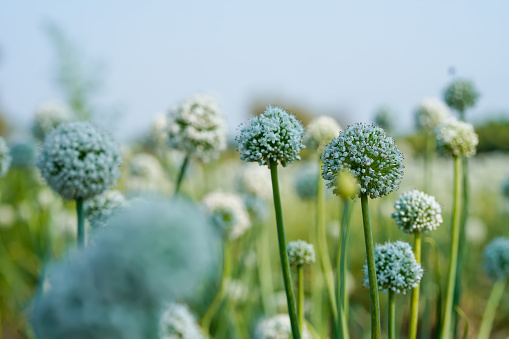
(285, 267)
(300, 294)
(81, 222)
(392, 315)
(181, 173)
(341, 270)
(453, 259)
(370, 254)
(489, 313)
(414, 304)
(216, 303)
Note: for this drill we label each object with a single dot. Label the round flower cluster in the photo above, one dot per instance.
(277, 327)
(100, 208)
(272, 136)
(320, 131)
(228, 213)
(430, 113)
(145, 173)
(496, 259)
(158, 131)
(22, 154)
(369, 155)
(396, 268)
(417, 212)
(456, 138)
(5, 157)
(255, 181)
(300, 253)
(460, 95)
(306, 182)
(48, 116)
(177, 322)
(196, 127)
(79, 161)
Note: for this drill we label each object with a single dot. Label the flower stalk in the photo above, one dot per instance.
(300, 294)
(491, 307)
(81, 222)
(392, 315)
(414, 303)
(182, 172)
(341, 300)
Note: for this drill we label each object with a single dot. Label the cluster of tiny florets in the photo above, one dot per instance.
(277, 327)
(369, 155)
(320, 131)
(496, 259)
(100, 208)
(456, 138)
(79, 161)
(5, 157)
(273, 136)
(177, 322)
(300, 253)
(430, 113)
(417, 212)
(396, 268)
(197, 127)
(228, 213)
(306, 182)
(48, 116)
(460, 95)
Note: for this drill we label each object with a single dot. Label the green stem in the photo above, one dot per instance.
(285, 267)
(81, 222)
(216, 303)
(181, 173)
(414, 305)
(264, 269)
(300, 303)
(453, 258)
(392, 315)
(341, 270)
(438, 303)
(370, 254)
(491, 307)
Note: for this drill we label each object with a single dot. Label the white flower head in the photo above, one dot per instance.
(273, 136)
(396, 268)
(320, 131)
(78, 160)
(300, 253)
(5, 158)
(177, 322)
(417, 212)
(496, 259)
(228, 213)
(48, 116)
(145, 173)
(461, 94)
(99, 209)
(277, 327)
(369, 155)
(430, 113)
(456, 138)
(197, 127)
(254, 180)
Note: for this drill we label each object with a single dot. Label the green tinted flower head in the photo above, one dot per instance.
(456, 138)
(417, 212)
(320, 131)
(273, 136)
(178, 322)
(461, 94)
(228, 213)
(306, 182)
(369, 155)
(496, 259)
(5, 157)
(300, 253)
(100, 208)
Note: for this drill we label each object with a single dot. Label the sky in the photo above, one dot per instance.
(344, 59)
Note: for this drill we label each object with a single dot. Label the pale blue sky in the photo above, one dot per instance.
(323, 55)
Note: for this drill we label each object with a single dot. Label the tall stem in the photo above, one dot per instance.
(370, 254)
(180, 178)
(414, 304)
(392, 315)
(81, 222)
(285, 267)
(341, 299)
(453, 258)
(300, 303)
(491, 307)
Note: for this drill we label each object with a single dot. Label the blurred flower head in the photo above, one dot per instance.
(228, 213)
(177, 322)
(277, 327)
(48, 116)
(396, 268)
(496, 259)
(306, 182)
(385, 118)
(254, 180)
(320, 131)
(78, 160)
(197, 127)
(430, 113)
(456, 138)
(273, 136)
(417, 212)
(145, 173)
(461, 94)
(300, 253)
(99, 209)
(369, 155)
(22, 154)
(5, 157)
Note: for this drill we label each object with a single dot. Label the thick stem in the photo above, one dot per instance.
(181, 173)
(216, 303)
(81, 222)
(285, 267)
(453, 258)
(300, 303)
(370, 254)
(341, 295)
(491, 307)
(392, 315)
(414, 304)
